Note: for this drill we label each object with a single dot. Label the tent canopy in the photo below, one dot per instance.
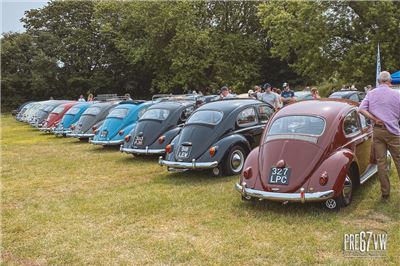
(396, 77)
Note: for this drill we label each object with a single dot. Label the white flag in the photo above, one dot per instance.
(378, 65)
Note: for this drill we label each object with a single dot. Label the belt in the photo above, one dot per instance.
(380, 126)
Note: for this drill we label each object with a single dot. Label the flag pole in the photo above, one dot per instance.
(378, 65)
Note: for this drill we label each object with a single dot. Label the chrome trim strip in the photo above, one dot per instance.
(371, 170)
(78, 135)
(311, 139)
(292, 197)
(187, 165)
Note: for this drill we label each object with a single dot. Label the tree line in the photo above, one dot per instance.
(81, 47)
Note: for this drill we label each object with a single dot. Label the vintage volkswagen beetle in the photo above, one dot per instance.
(157, 127)
(22, 113)
(356, 96)
(31, 112)
(91, 120)
(119, 122)
(218, 136)
(311, 151)
(55, 117)
(71, 117)
(45, 109)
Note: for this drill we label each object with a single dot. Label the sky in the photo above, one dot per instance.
(13, 11)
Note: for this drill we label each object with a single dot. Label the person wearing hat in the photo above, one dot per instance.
(225, 93)
(268, 96)
(287, 95)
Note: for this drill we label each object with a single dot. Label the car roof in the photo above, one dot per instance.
(171, 105)
(344, 92)
(326, 108)
(229, 105)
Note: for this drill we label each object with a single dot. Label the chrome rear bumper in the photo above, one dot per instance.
(61, 132)
(46, 129)
(106, 142)
(277, 196)
(188, 165)
(142, 151)
(77, 135)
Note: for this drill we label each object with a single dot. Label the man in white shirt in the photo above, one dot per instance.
(270, 97)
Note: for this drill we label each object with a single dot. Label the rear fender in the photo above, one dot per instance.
(126, 130)
(251, 162)
(169, 136)
(336, 166)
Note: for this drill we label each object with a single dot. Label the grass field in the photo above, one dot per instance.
(65, 202)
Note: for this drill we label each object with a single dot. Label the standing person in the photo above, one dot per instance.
(90, 98)
(81, 98)
(225, 93)
(287, 95)
(382, 106)
(315, 93)
(257, 92)
(128, 97)
(269, 97)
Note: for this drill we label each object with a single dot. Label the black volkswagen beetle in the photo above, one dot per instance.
(356, 96)
(157, 127)
(218, 136)
(91, 120)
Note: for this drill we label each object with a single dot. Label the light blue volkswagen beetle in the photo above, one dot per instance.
(119, 122)
(71, 117)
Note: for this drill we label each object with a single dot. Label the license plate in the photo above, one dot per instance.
(184, 151)
(103, 133)
(138, 140)
(279, 176)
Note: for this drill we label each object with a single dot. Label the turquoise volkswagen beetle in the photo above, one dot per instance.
(71, 117)
(119, 122)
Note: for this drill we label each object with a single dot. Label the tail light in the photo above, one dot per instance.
(323, 180)
(161, 139)
(121, 132)
(127, 138)
(213, 150)
(72, 127)
(94, 128)
(248, 173)
(168, 148)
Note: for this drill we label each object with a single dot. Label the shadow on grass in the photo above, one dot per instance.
(130, 159)
(103, 149)
(77, 141)
(193, 177)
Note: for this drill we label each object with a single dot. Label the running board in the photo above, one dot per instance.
(371, 170)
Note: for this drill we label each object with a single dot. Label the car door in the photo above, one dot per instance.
(366, 153)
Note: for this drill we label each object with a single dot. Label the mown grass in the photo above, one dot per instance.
(70, 203)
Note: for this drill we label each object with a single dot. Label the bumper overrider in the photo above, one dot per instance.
(142, 151)
(187, 165)
(106, 142)
(80, 135)
(277, 196)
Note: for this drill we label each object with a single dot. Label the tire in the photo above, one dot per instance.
(234, 161)
(345, 197)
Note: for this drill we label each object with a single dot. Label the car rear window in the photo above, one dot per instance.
(155, 114)
(92, 111)
(118, 113)
(58, 110)
(205, 117)
(73, 111)
(47, 108)
(299, 124)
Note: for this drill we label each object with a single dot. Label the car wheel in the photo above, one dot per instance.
(234, 161)
(345, 197)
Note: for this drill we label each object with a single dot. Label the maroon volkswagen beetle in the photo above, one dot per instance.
(317, 150)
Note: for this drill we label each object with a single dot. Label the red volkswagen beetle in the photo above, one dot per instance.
(317, 150)
(55, 116)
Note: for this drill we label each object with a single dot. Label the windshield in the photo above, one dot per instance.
(205, 117)
(58, 110)
(155, 114)
(73, 111)
(118, 113)
(92, 111)
(306, 125)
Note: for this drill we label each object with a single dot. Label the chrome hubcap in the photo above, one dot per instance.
(216, 171)
(237, 161)
(347, 190)
(330, 203)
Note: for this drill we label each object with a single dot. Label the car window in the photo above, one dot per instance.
(155, 114)
(94, 110)
(118, 113)
(186, 113)
(142, 111)
(247, 117)
(365, 122)
(265, 112)
(205, 117)
(73, 111)
(354, 97)
(58, 110)
(361, 95)
(350, 123)
(298, 124)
